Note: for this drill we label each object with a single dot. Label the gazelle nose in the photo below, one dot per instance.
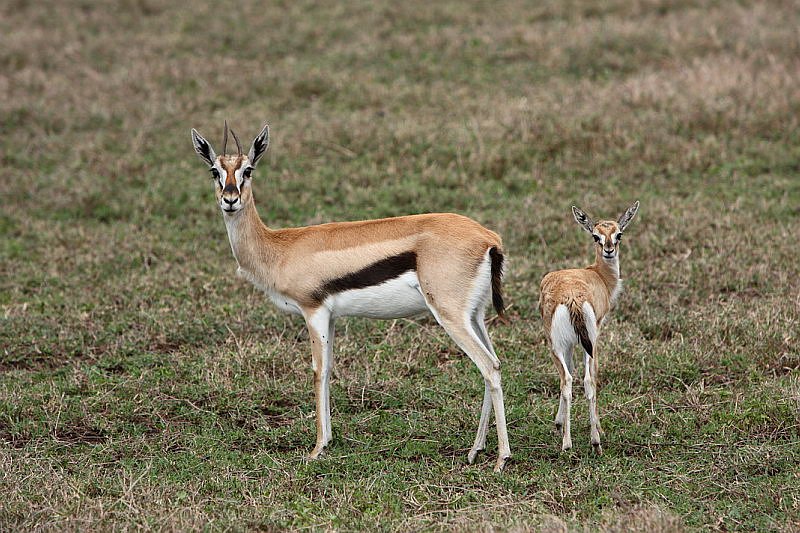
(229, 201)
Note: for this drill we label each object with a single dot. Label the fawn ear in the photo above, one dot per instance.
(583, 219)
(260, 144)
(626, 217)
(203, 148)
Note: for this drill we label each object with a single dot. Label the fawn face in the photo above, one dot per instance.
(606, 233)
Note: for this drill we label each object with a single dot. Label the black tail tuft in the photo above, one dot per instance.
(579, 323)
(497, 280)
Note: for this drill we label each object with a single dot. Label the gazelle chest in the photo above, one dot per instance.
(284, 303)
(281, 301)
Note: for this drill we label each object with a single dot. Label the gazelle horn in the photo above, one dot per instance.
(238, 145)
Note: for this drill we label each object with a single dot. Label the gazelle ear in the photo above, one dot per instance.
(583, 219)
(260, 144)
(627, 216)
(203, 148)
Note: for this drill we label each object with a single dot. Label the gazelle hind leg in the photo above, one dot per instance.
(560, 367)
(562, 341)
(590, 388)
(483, 425)
(565, 401)
(468, 341)
(486, 408)
(479, 327)
(590, 377)
(595, 378)
(457, 313)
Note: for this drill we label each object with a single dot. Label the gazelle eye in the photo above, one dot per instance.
(596, 238)
(619, 237)
(247, 172)
(214, 173)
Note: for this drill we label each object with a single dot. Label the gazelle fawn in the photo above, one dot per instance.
(445, 264)
(574, 303)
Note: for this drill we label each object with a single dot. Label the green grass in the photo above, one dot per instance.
(136, 393)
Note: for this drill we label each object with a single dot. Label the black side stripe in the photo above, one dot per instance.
(374, 274)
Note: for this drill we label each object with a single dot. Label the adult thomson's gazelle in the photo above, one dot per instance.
(574, 304)
(389, 268)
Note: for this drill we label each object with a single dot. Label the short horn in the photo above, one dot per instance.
(238, 144)
(225, 140)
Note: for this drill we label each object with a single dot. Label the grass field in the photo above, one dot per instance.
(139, 390)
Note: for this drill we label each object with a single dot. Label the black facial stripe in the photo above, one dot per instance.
(374, 274)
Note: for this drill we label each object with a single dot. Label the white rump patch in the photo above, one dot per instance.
(590, 319)
(481, 290)
(562, 334)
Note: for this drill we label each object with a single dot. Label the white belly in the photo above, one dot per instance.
(397, 298)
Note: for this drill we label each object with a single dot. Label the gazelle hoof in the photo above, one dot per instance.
(566, 446)
(473, 453)
(597, 448)
(316, 453)
(501, 463)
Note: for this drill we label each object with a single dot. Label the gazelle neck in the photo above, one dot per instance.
(250, 239)
(608, 270)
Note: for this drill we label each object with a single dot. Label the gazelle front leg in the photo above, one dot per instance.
(320, 330)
